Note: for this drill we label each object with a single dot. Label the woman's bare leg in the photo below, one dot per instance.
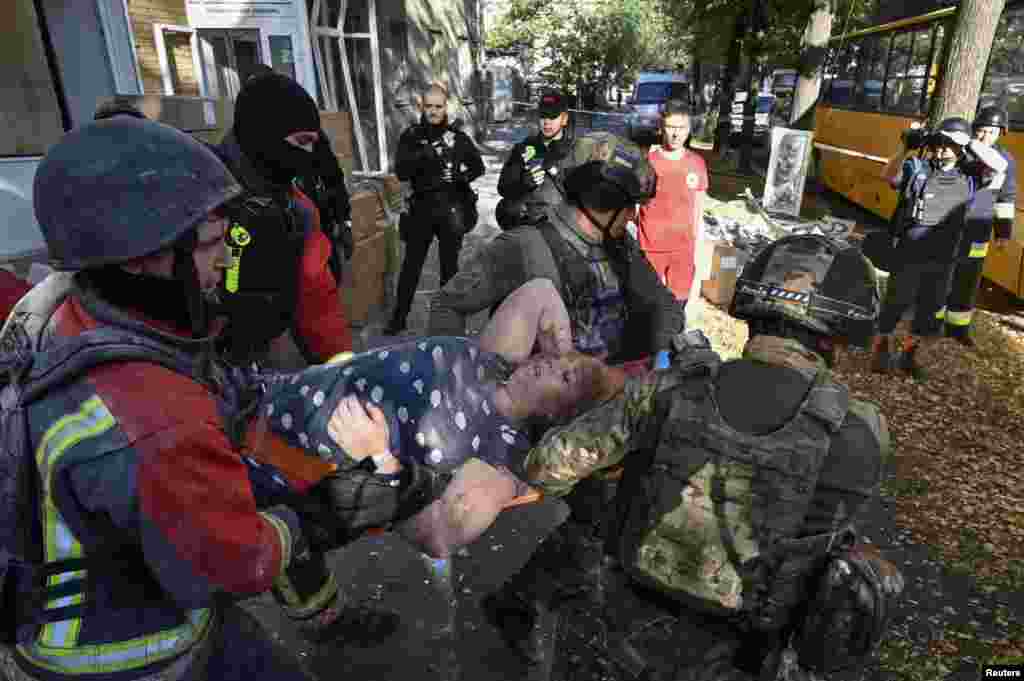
(469, 505)
(534, 314)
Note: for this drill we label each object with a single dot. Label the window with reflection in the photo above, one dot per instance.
(29, 111)
(874, 51)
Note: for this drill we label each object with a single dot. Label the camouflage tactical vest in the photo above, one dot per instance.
(713, 511)
(593, 292)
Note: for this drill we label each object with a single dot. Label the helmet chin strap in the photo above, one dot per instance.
(185, 272)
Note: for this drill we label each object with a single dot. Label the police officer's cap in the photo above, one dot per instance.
(821, 284)
(122, 188)
(552, 104)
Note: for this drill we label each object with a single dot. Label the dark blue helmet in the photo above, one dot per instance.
(122, 188)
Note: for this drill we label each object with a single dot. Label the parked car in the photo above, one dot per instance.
(652, 90)
(767, 113)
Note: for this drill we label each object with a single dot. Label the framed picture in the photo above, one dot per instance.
(787, 170)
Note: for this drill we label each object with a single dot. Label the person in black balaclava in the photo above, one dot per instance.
(279, 293)
(325, 185)
(440, 161)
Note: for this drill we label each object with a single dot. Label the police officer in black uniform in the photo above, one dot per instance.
(440, 161)
(991, 207)
(536, 167)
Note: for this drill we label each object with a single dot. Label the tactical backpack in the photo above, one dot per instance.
(28, 376)
(714, 514)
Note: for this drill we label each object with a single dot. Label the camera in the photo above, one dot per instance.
(917, 138)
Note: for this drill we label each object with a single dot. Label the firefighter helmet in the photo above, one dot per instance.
(122, 188)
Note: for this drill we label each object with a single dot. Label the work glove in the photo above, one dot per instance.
(350, 501)
(534, 172)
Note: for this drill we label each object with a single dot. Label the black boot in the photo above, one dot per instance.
(962, 335)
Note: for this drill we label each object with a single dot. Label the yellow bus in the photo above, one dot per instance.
(880, 80)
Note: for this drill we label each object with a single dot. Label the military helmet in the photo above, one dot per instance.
(950, 125)
(602, 159)
(991, 116)
(849, 611)
(122, 188)
(818, 283)
(511, 213)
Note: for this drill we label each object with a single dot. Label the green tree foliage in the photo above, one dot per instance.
(708, 25)
(580, 41)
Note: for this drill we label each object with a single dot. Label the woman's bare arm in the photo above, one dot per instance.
(532, 314)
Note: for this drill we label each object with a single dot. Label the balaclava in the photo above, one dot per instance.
(269, 108)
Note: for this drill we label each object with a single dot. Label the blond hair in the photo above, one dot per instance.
(598, 383)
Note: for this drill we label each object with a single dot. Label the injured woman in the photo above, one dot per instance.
(462, 410)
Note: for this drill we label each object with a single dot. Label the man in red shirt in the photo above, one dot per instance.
(669, 223)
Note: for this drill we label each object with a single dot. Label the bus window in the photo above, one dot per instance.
(869, 84)
(897, 89)
(1004, 79)
(908, 70)
(841, 90)
(29, 112)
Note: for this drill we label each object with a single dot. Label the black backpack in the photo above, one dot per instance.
(27, 376)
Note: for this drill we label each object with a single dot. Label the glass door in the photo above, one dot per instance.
(229, 57)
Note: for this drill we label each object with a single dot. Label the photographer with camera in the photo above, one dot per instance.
(926, 229)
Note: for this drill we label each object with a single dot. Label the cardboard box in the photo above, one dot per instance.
(366, 211)
(367, 286)
(726, 263)
(338, 127)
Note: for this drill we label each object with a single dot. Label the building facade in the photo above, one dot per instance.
(183, 62)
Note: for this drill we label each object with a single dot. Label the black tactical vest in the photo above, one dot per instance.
(266, 239)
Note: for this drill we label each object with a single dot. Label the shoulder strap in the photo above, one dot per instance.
(876, 422)
(827, 401)
(74, 356)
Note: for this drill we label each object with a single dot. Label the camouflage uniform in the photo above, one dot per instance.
(781, 499)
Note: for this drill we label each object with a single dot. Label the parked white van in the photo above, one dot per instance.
(651, 91)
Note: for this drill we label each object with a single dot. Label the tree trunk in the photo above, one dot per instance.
(749, 112)
(812, 60)
(696, 87)
(960, 82)
(728, 89)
